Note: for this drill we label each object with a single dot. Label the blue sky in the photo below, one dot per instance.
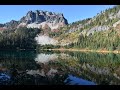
(71, 12)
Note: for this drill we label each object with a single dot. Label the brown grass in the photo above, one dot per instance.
(86, 50)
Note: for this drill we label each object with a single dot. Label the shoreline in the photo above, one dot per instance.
(63, 49)
(85, 50)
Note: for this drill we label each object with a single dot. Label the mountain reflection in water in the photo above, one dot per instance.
(43, 58)
(59, 68)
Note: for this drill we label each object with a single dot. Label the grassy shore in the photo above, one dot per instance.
(85, 50)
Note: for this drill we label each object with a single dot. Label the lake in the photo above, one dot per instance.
(59, 68)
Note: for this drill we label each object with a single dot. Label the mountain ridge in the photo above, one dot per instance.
(53, 20)
(105, 20)
(100, 32)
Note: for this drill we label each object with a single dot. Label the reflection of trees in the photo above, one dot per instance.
(98, 59)
(50, 72)
(104, 71)
(88, 70)
(99, 68)
(99, 75)
(23, 59)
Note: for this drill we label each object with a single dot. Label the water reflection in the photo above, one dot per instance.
(51, 72)
(43, 58)
(4, 79)
(72, 80)
(54, 68)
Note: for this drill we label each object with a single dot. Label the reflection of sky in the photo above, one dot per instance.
(43, 58)
(72, 80)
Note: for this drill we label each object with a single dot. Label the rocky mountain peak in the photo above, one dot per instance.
(39, 16)
(12, 24)
(37, 19)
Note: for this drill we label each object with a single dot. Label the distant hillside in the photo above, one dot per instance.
(100, 32)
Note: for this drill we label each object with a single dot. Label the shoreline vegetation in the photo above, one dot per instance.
(85, 50)
(70, 49)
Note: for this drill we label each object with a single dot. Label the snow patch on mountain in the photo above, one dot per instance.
(43, 39)
(42, 25)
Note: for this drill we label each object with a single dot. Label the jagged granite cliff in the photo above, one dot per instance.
(38, 19)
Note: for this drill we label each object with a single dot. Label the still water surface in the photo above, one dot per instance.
(59, 68)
